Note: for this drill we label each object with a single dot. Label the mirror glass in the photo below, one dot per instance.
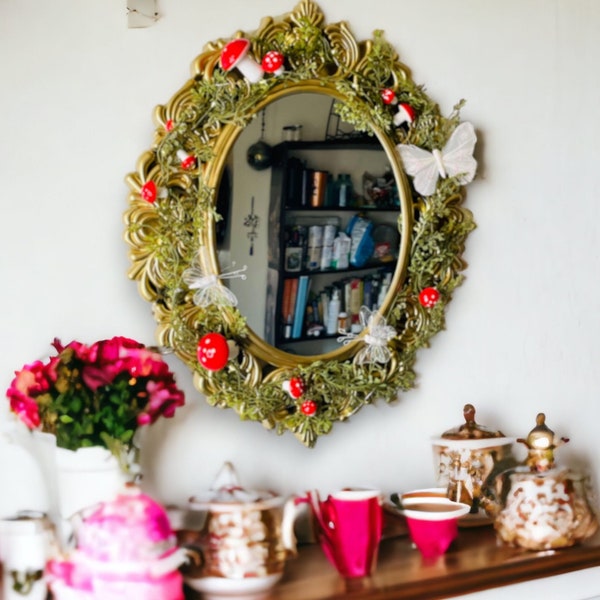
(307, 140)
(207, 225)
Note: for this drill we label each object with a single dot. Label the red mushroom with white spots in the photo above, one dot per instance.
(406, 114)
(235, 56)
(294, 387)
(272, 62)
(308, 408)
(214, 351)
(150, 192)
(188, 161)
(389, 96)
(429, 297)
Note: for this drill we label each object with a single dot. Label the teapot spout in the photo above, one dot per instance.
(495, 491)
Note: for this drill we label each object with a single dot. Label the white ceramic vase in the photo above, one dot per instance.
(24, 481)
(86, 477)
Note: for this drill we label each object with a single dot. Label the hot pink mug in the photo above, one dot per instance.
(348, 526)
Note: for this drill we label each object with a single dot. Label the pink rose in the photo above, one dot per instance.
(29, 383)
(163, 399)
(144, 363)
(31, 380)
(110, 358)
(81, 351)
(144, 419)
(25, 408)
(109, 351)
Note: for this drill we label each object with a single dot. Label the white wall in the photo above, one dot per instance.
(78, 90)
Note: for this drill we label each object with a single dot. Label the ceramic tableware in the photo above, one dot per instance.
(348, 526)
(432, 522)
(26, 542)
(125, 549)
(243, 539)
(542, 506)
(466, 457)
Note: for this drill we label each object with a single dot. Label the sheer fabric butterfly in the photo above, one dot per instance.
(209, 289)
(454, 160)
(379, 333)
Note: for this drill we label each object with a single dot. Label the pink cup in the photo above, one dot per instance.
(348, 526)
(432, 522)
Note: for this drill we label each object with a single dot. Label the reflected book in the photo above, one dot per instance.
(290, 292)
(301, 297)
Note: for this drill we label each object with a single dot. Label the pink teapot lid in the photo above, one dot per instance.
(131, 527)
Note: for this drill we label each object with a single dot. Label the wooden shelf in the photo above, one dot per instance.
(474, 562)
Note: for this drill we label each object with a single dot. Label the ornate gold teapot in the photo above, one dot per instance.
(538, 505)
(242, 540)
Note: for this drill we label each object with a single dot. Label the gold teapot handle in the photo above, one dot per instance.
(291, 510)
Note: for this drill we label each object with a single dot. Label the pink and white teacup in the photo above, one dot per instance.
(432, 522)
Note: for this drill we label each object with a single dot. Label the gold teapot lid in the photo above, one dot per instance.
(226, 489)
(470, 429)
(541, 443)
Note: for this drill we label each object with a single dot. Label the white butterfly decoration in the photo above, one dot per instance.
(379, 333)
(455, 159)
(209, 289)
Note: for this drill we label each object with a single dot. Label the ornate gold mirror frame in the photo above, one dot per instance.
(170, 223)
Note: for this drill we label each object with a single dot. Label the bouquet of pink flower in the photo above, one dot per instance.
(95, 395)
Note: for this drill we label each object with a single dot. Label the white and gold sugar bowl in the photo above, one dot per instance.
(467, 456)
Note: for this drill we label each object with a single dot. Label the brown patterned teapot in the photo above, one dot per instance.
(243, 538)
(541, 506)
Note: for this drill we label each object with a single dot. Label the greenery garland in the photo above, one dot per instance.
(168, 233)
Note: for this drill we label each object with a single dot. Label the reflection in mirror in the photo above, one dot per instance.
(284, 240)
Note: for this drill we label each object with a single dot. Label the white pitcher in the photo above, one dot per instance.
(25, 545)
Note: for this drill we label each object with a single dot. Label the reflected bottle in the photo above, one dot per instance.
(333, 312)
(344, 190)
(330, 192)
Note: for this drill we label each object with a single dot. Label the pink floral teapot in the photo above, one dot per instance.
(125, 548)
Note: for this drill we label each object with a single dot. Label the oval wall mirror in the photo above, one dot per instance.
(299, 292)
